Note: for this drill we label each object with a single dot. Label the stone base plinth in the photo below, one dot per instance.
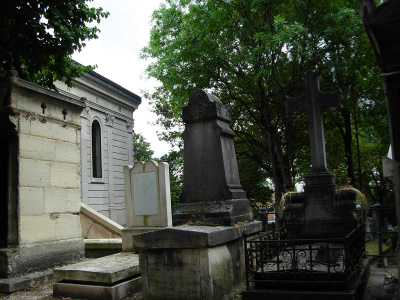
(319, 230)
(354, 289)
(111, 277)
(127, 233)
(193, 262)
(225, 213)
(35, 257)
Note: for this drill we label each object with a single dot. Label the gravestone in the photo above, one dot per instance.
(147, 199)
(321, 216)
(211, 190)
(201, 262)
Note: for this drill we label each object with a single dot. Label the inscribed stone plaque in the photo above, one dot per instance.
(145, 193)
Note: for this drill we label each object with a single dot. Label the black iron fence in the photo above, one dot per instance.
(379, 228)
(273, 261)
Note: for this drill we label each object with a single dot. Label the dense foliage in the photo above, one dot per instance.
(38, 37)
(251, 53)
(141, 148)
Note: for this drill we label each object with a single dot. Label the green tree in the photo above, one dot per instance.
(175, 162)
(37, 38)
(251, 53)
(141, 148)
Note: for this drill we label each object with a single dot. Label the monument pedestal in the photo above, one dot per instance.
(225, 212)
(325, 213)
(193, 262)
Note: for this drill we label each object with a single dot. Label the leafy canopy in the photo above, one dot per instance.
(37, 38)
(250, 54)
(141, 148)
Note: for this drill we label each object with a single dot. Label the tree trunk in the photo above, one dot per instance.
(348, 151)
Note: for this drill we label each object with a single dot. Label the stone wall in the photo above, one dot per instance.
(47, 189)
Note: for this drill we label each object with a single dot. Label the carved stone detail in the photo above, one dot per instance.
(203, 106)
(130, 125)
(87, 113)
(110, 120)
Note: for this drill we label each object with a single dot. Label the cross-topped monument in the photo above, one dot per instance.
(314, 102)
(316, 214)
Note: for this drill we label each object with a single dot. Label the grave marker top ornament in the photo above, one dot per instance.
(314, 102)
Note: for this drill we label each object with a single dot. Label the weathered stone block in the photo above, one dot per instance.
(24, 125)
(33, 147)
(64, 175)
(34, 173)
(54, 131)
(55, 200)
(207, 262)
(67, 152)
(37, 229)
(68, 227)
(31, 201)
(73, 200)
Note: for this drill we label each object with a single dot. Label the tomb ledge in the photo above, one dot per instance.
(187, 236)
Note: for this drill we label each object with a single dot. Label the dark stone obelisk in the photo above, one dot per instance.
(321, 217)
(212, 192)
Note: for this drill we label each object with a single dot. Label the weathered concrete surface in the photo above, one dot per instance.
(187, 236)
(110, 277)
(95, 248)
(100, 292)
(108, 269)
(193, 262)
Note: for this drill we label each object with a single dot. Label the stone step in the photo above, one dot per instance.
(109, 277)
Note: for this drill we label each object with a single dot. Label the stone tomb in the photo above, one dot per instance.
(147, 198)
(320, 212)
(107, 278)
(201, 262)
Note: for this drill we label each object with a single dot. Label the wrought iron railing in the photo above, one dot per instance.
(271, 258)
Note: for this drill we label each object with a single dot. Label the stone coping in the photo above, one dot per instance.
(97, 217)
(107, 269)
(103, 243)
(187, 236)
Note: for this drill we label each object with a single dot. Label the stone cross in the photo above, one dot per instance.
(314, 102)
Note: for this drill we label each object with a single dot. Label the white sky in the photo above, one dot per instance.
(116, 54)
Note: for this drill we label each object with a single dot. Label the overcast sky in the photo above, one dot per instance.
(116, 53)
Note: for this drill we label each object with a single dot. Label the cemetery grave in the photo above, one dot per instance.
(321, 247)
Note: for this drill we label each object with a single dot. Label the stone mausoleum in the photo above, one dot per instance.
(106, 139)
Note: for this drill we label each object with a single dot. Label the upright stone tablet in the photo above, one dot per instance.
(212, 192)
(147, 199)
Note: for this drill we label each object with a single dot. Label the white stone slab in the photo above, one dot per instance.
(145, 193)
(107, 269)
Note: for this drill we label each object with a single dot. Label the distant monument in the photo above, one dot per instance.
(211, 187)
(317, 215)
